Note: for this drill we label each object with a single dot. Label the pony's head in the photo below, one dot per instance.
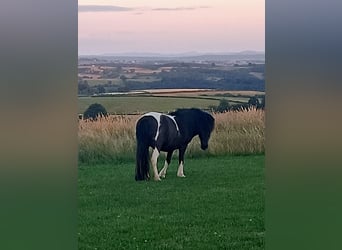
(206, 126)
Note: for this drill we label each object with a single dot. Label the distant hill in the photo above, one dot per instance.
(138, 71)
(254, 56)
(184, 54)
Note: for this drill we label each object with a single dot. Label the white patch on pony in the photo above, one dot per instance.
(157, 116)
(180, 172)
(174, 120)
(162, 172)
(154, 160)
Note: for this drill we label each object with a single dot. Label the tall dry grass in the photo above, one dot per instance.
(239, 132)
(108, 138)
(113, 138)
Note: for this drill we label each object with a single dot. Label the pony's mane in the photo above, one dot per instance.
(180, 112)
(206, 119)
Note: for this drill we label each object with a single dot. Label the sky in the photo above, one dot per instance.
(177, 26)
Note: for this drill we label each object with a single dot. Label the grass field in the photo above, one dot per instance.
(219, 205)
(140, 104)
(157, 100)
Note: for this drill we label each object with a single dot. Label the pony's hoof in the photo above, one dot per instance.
(157, 178)
(162, 176)
(181, 175)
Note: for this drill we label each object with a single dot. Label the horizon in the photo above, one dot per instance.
(186, 53)
(177, 27)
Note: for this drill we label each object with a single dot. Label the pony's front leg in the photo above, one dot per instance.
(180, 172)
(154, 160)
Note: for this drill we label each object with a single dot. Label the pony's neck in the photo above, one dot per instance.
(192, 127)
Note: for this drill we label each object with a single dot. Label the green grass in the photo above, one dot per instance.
(219, 205)
(140, 104)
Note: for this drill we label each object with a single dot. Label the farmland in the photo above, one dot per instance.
(140, 104)
(164, 100)
(113, 75)
(219, 205)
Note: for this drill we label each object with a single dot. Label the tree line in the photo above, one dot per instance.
(225, 106)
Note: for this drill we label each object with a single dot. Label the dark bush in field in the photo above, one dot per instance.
(94, 110)
(253, 101)
(223, 106)
(262, 104)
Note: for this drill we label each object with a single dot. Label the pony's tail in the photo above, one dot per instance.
(142, 161)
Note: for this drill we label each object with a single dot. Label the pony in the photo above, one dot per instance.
(167, 133)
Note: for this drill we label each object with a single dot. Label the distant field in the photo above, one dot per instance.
(144, 79)
(140, 104)
(258, 75)
(94, 82)
(117, 81)
(165, 100)
(199, 92)
(232, 96)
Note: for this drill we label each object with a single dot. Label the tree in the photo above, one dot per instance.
(83, 87)
(262, 104)
(253, 101)
(93, 111)
(101, 89)
(223, 106)
(123, 78)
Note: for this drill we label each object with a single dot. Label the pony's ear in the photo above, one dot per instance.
(212, 122)
(173, 112)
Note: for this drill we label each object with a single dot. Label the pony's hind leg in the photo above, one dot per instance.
(162, 172)
(180, 172)
(154, 160)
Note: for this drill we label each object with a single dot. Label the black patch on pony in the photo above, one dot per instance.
(190, 122)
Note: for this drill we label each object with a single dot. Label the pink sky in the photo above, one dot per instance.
(109, 26)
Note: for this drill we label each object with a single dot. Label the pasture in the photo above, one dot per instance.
(141, 104)
(165, 101)
(219, 205)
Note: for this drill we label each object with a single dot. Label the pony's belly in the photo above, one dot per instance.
(169, 148)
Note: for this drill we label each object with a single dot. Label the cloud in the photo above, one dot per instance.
(180, 8)
(102, 8)
(112, 8)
